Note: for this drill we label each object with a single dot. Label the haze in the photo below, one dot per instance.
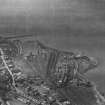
(63, 16)
(63, 24)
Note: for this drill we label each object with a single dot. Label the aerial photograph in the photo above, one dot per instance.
(52, 52)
